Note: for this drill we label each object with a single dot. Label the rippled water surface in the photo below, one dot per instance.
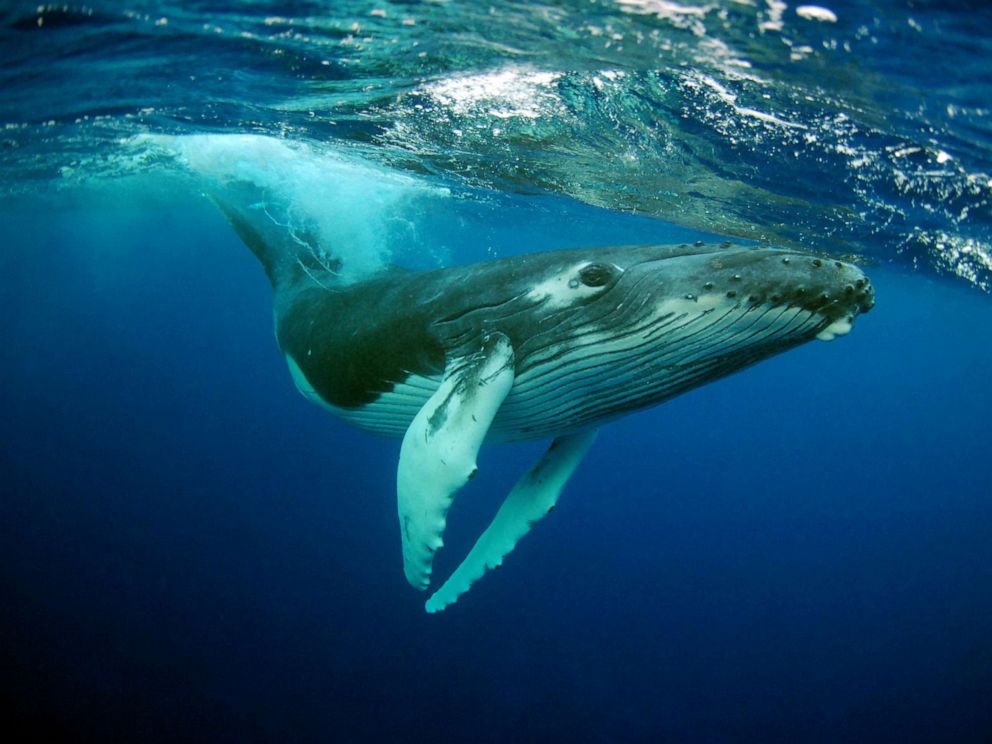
(860, 128)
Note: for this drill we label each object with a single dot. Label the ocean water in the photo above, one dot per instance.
(191, 551)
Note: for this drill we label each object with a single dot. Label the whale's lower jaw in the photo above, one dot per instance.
(606, 375)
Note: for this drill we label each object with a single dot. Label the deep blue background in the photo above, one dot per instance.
(189, 550)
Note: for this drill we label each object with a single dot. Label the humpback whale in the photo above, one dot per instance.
(541, 346)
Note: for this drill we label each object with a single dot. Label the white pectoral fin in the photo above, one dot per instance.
(534, 496)
(438, 454)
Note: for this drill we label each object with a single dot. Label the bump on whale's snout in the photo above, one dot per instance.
(821, 295)
(834, 291)
(842, 284)
(840, 292)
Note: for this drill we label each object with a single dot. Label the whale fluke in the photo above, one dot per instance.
(288, 255)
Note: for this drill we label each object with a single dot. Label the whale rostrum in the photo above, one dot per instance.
(540, 346)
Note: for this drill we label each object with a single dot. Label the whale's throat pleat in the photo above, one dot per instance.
(603, 373)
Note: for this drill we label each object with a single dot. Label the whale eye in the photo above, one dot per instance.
(597, 275)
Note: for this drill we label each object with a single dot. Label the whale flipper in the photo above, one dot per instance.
(534, 496)
(438, 454)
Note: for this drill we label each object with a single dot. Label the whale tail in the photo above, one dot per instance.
(287, 254)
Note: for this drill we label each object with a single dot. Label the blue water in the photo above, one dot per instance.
(191, 551)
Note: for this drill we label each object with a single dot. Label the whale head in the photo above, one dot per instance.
(825, 294)
(617, 329)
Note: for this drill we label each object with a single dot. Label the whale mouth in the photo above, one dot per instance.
(853, 298)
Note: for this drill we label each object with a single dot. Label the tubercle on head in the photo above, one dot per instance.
(774, 276)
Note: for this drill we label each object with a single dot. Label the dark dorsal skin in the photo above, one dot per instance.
(355, 343)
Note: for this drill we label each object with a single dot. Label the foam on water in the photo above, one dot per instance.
(358, 210)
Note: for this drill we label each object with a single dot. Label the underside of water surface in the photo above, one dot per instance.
(857, 129)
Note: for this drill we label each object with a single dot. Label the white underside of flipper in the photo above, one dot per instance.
(437, 457)
(534, 496)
